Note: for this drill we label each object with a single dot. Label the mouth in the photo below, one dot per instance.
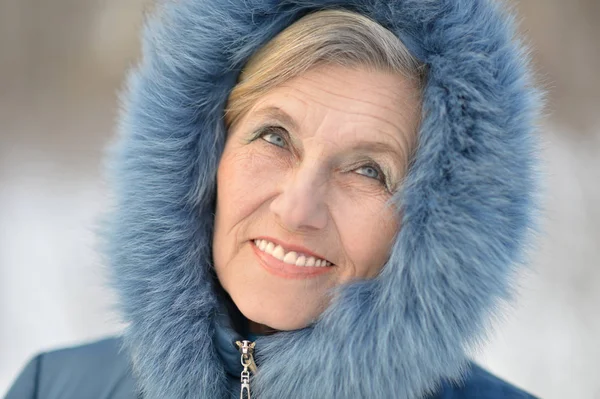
(299, 257)
(289, 262)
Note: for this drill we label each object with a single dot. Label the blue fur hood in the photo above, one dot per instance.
(468, 202)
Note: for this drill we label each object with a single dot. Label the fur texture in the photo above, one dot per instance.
(468, 201)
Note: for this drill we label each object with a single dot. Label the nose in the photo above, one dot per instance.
(301, 203)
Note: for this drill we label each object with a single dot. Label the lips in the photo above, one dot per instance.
(287, 270)
(300, 257)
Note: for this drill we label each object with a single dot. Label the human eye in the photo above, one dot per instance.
(274, 135)
(373, 171)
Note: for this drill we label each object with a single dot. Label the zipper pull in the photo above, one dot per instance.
(247, 351)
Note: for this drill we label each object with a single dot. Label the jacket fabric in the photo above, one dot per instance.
(102, 370)
(468, 201)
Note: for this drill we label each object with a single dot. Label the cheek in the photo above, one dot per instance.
(368, 236)
(243, 181)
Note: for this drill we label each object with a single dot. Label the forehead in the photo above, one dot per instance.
(336, 97)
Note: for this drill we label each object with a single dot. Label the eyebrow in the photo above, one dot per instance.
(277, 113)
(273, 112)
(377, 147)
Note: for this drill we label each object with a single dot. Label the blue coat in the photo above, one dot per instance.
(101, 371)
(468, 202)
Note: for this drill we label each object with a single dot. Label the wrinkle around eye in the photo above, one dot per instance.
(289, 144)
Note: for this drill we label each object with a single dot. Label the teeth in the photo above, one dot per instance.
(292, 257)
(269, 248)
(278, 252)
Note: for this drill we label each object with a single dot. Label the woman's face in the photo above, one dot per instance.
(303, 180)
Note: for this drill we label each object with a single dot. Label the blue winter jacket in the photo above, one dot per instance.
(101, 370)
(468, 206)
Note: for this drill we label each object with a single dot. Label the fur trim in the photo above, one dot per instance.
(468, 204)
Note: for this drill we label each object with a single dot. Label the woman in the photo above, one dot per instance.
(338, 220)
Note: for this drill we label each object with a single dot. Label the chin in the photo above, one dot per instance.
(280, 304)
(280, 318)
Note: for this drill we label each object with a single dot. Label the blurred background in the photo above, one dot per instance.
(61, 67)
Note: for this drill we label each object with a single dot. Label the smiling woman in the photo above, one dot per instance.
(307, 209)
(321, 127)
(307, 175)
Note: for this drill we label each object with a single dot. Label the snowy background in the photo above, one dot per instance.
(61, 64)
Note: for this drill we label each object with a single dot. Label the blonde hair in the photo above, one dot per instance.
(329, 36)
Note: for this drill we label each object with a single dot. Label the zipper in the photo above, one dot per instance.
(246, 349)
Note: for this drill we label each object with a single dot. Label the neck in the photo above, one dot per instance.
(260, 329)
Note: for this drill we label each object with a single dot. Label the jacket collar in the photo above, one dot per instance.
(225, 338)
(230, 326)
